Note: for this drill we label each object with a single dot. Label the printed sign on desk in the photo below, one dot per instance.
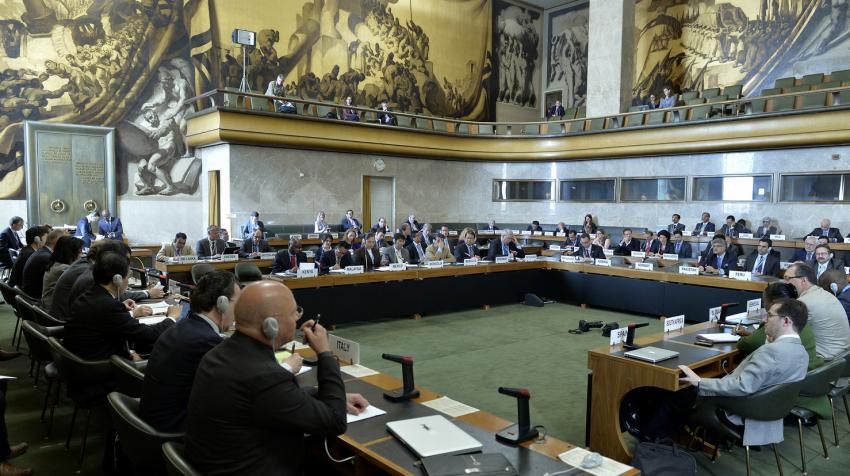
(188, 259)
(537, 233)
(555, 247)
(531, 257)
(452, 232)
(619, 335)
(356, 269)
(470, 262)
(549, 233)
(741, 275)
(570, 259)
(502, 259)
(644, 266)
(344, 349)
(295, 237)
(753, 305)
(747, 236)
(312, 236)
(670, 256)
(638, 254)
(692, 270)
(608, 253)
(847, 239)
(233, 257)
(526, 232)
(268, 255)
(714, 314)
(560, 234)
(777, 237)
(306, 271)
(435, 264)
(674, 323)
(603, 262)
(397, 267)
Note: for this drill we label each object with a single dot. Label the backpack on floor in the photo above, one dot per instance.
(663, 459)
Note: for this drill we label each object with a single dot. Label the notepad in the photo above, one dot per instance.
(452, 408)
(160, 307)
(370, 412)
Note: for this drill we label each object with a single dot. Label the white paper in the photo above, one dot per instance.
(370, 412)
(298, 345)
(7, 377)
(638, 254)
(609, 467)
(358, 371)
(158, 308)
(152, 320)
(720, 337)
(452, 408)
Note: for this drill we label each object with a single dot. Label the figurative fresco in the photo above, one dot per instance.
(567, 62)
(516, 53)
(697, 44)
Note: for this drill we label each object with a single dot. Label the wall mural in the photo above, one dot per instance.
(516, 44)
(567, 62)
(698, 44)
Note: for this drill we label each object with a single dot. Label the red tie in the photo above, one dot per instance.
(292, 261)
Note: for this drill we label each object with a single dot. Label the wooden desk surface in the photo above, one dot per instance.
(187, 267)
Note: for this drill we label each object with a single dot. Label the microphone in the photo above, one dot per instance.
(408, 391)
(724, 311)
(630, 336)
(521, 431)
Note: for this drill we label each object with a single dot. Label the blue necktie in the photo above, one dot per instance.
(719, 262)
(678, 245)
(504, 249)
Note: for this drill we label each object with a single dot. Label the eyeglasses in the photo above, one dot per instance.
(773, 314)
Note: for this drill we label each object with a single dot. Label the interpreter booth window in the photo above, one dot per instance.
(744, 188)
(670, 189)
(587, 190)
(815, 188)
(523, 190)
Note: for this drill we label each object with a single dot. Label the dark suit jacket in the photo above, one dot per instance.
(32, 279)
(345, 224)
(9, 240)
(650, 246)
(414, 255)
(685, 250)
(800, 255)
(248, 248)
(556, 111)
(761, 232)
(251, 418)
(668, 248)
(61, 307)
(567, 242)
(461, 252)
(703, 228)
(834, 263)
(328, 261)
(416, 224)
(375, 228)
(834, 235)
(17, 274)
(384, 117)
(844, 299)
(248, 229)
(730, 262)
(86, 281)
(84, 232)
(202, 247)
(283, 260)
(373, 262)
(112, 226)
(493, 228)
(171, 371)
(771, 264)
(626, 250)
(678, 226)
(595, 252)
(496, 250)
(733, 231)
(533, 229)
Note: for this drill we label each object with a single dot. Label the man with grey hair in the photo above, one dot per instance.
(212, 245)
(826, 315)
(427, 234)
(507, 245)
(718, 260)
(831, 233)
(278, 89)
(766, 229)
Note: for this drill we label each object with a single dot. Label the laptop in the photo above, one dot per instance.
(651, 354)
(433, 435)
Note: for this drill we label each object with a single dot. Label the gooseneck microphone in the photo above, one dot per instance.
(521, 431)
(630, 336)
(408, 391)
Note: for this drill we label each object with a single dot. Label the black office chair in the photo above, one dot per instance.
(129, 374)
(247, 273)
(25, 306)
(772, 403)
(139, 441)
(199, 270)
(37, 336)
(79, 373)
(840, 391)
(817, 383)
(44, 318)
(175, 460)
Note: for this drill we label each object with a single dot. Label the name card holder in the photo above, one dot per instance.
(516, 232)
(305, 272)
(777, 237)
(555, 247)
(746, 236)
(592, 236)
(344, 349)
(570, 259)
(452, 232)
(847, 239)
(670, 256)
(526, 232)
(295, 237)
(692, 270)
(608, 253)
(233, 257)
(753, 305)
(312, 236)
(187, 259)
(847, 270)
(470, 262)
(638, 254)
(502, 259)
(435, 264)
(602, 262)
(619, 335)
(741, 275)
(548, 233)
(644, 266)
(560, 234)
(714, 314)
(576, 249)
(531, 257)
(674, 323)
(537, 233)
(484, 232)
(397, 267)
(356, 269)
(310, 254)
(783, 265)
(268, 255)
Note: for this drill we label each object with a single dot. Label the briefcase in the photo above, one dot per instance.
(660, 459)
(479, 464)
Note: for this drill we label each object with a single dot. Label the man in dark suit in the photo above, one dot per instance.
(704, 227)
(676, 225)
(681, 247)
(253, 247)
(339, 259)
(247, 414)
(507, 245)
(414, 225)
(84, 229)
(650, 244)
(491, 225)
(32, 279)
(289, 259)
(35, 236)
(627, 244)
(384, 116)
(86, 279)
(572, 239)
(63, 295)
(557, 110)
(807, 254)
(444, 230)
(766, 229)
(824, 260)
(212, 245)
(416, 250)
(535, 226)
(109, 226)
(396, 253)
(407, 232)
(467, 249)
(427, 235)
(348, 221)
(368, 255)
(178, 351)
(252, 225)
(718, 259)
(9, 240)
(588, 250)
(833, 234)
(761, 262)
(731, 227)
(380, 226)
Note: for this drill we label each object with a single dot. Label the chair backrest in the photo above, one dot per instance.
(260, 104)
(140, 442)
(9, 294)
(577, 126)
(485, 129)
(813, 100)
(699, 112)
(25, 307)
(797, 89)
(175, 460)
(597, 124)
(689, 95)
(771, 91)
(784, 82)
(827, 85)
(768, 404)
(581, 111)
(531, 129)
(404, 121)
(633, 120)
(129, 376)
(248, 272)
(501, 129)
(757, 106)
(36, 336)
(783, 103)
(734, 91)
(843, 75)
(569, 113)
(818, 382)
(812, 78)
(462, 128)
(710, 92)
(655, 117)
(199, 270)
(77, 371)
(439, 125)
(323, 111)
(44, 318)
(694, 101)
(718, 98)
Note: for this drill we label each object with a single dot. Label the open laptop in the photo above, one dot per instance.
(433, 435)
(651, 354)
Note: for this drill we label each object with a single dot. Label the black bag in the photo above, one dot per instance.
(663, 459)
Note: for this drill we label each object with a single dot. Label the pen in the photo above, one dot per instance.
(293, 348)
(313, 327)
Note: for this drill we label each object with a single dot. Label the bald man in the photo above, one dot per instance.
(247, 414)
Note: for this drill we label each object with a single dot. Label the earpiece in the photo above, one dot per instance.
(118, 281)
(222, 304)
(834, 288)
(37, 240)
(270, 329)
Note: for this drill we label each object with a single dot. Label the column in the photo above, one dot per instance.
(611, 56)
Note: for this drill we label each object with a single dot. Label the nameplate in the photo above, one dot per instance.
(187, 259)
(312, 236)
(777, 237)
(484, 232)
(638, 254)
(435, 264)
(502, 259)
(452, 232)
(670, 256)
(268, 255)
(304, 272)
(555, 247)
(397, 267)
(602, 262)
(592, 236)
(333, 235)
(783, 265)
(233, 257)
(576, 249)
(537, 233)
(516, 232)
(847, 270)
(548, 233)
(564, 234)
(470, 262)
(741, 275)
(570, 259)
(753, 305)
(674, 323)
(619, 335)
(847, 239)
(644, 266)
(714, 314)
(748, 236)
(526, 232)
(310, 254)
(355, 269)
(689, 270)
(531, 257)
(344, 349)
(295, 237)
(608, 253)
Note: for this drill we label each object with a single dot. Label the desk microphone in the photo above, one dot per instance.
(521, 431)
(408, 391)
(630, 337)
(724, 311)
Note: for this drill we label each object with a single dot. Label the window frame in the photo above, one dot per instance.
(842, 189)
(615, 198)
(623, 179)
(552, 185)
(772, 199)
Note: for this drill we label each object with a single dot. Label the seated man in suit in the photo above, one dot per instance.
(414, 225)
(467, 249)
(807, 254)
(406, 232)
(704, 227)
(290, 259)
(507, 245)
(824, 260)
(718, 260)
(339, 259)
(731, 227)
(676, 225)
(380, 226)
(396, 253)
(252, 225)
(535, 226)
(783, 361)
(627, 244)
(444, 230)
(348, 221)
(212, 245)
(556, 110)
(572, 239)
(84, 229)
(826, 230)
(681, 247)
(175, 249)
(247, 414)
(226, 237)
(35, 236)
(826, 315)
(427, 235)
(416, 250)
(491, 225)
(561, 228)
(761, 261)
(369, 255)
(439, 250)
(384, 116)
(9, 240)
(834, 281)
(766, 229)
(32, 279)
(253, 247)
(178, 351)
(650, 244)
(109, 226)
(588, 250)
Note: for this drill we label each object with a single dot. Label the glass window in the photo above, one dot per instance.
(587, 190)
(523, 190)
(815, 188)
(653, 190)
(752, 188)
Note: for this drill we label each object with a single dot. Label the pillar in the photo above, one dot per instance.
(611, 56)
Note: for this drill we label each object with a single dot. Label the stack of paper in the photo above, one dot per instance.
(158, 308)
(719, 337)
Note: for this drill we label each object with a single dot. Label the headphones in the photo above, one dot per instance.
(834, 288)
(36, 240)
(222, 305)
(270, 329)
(118, 281)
